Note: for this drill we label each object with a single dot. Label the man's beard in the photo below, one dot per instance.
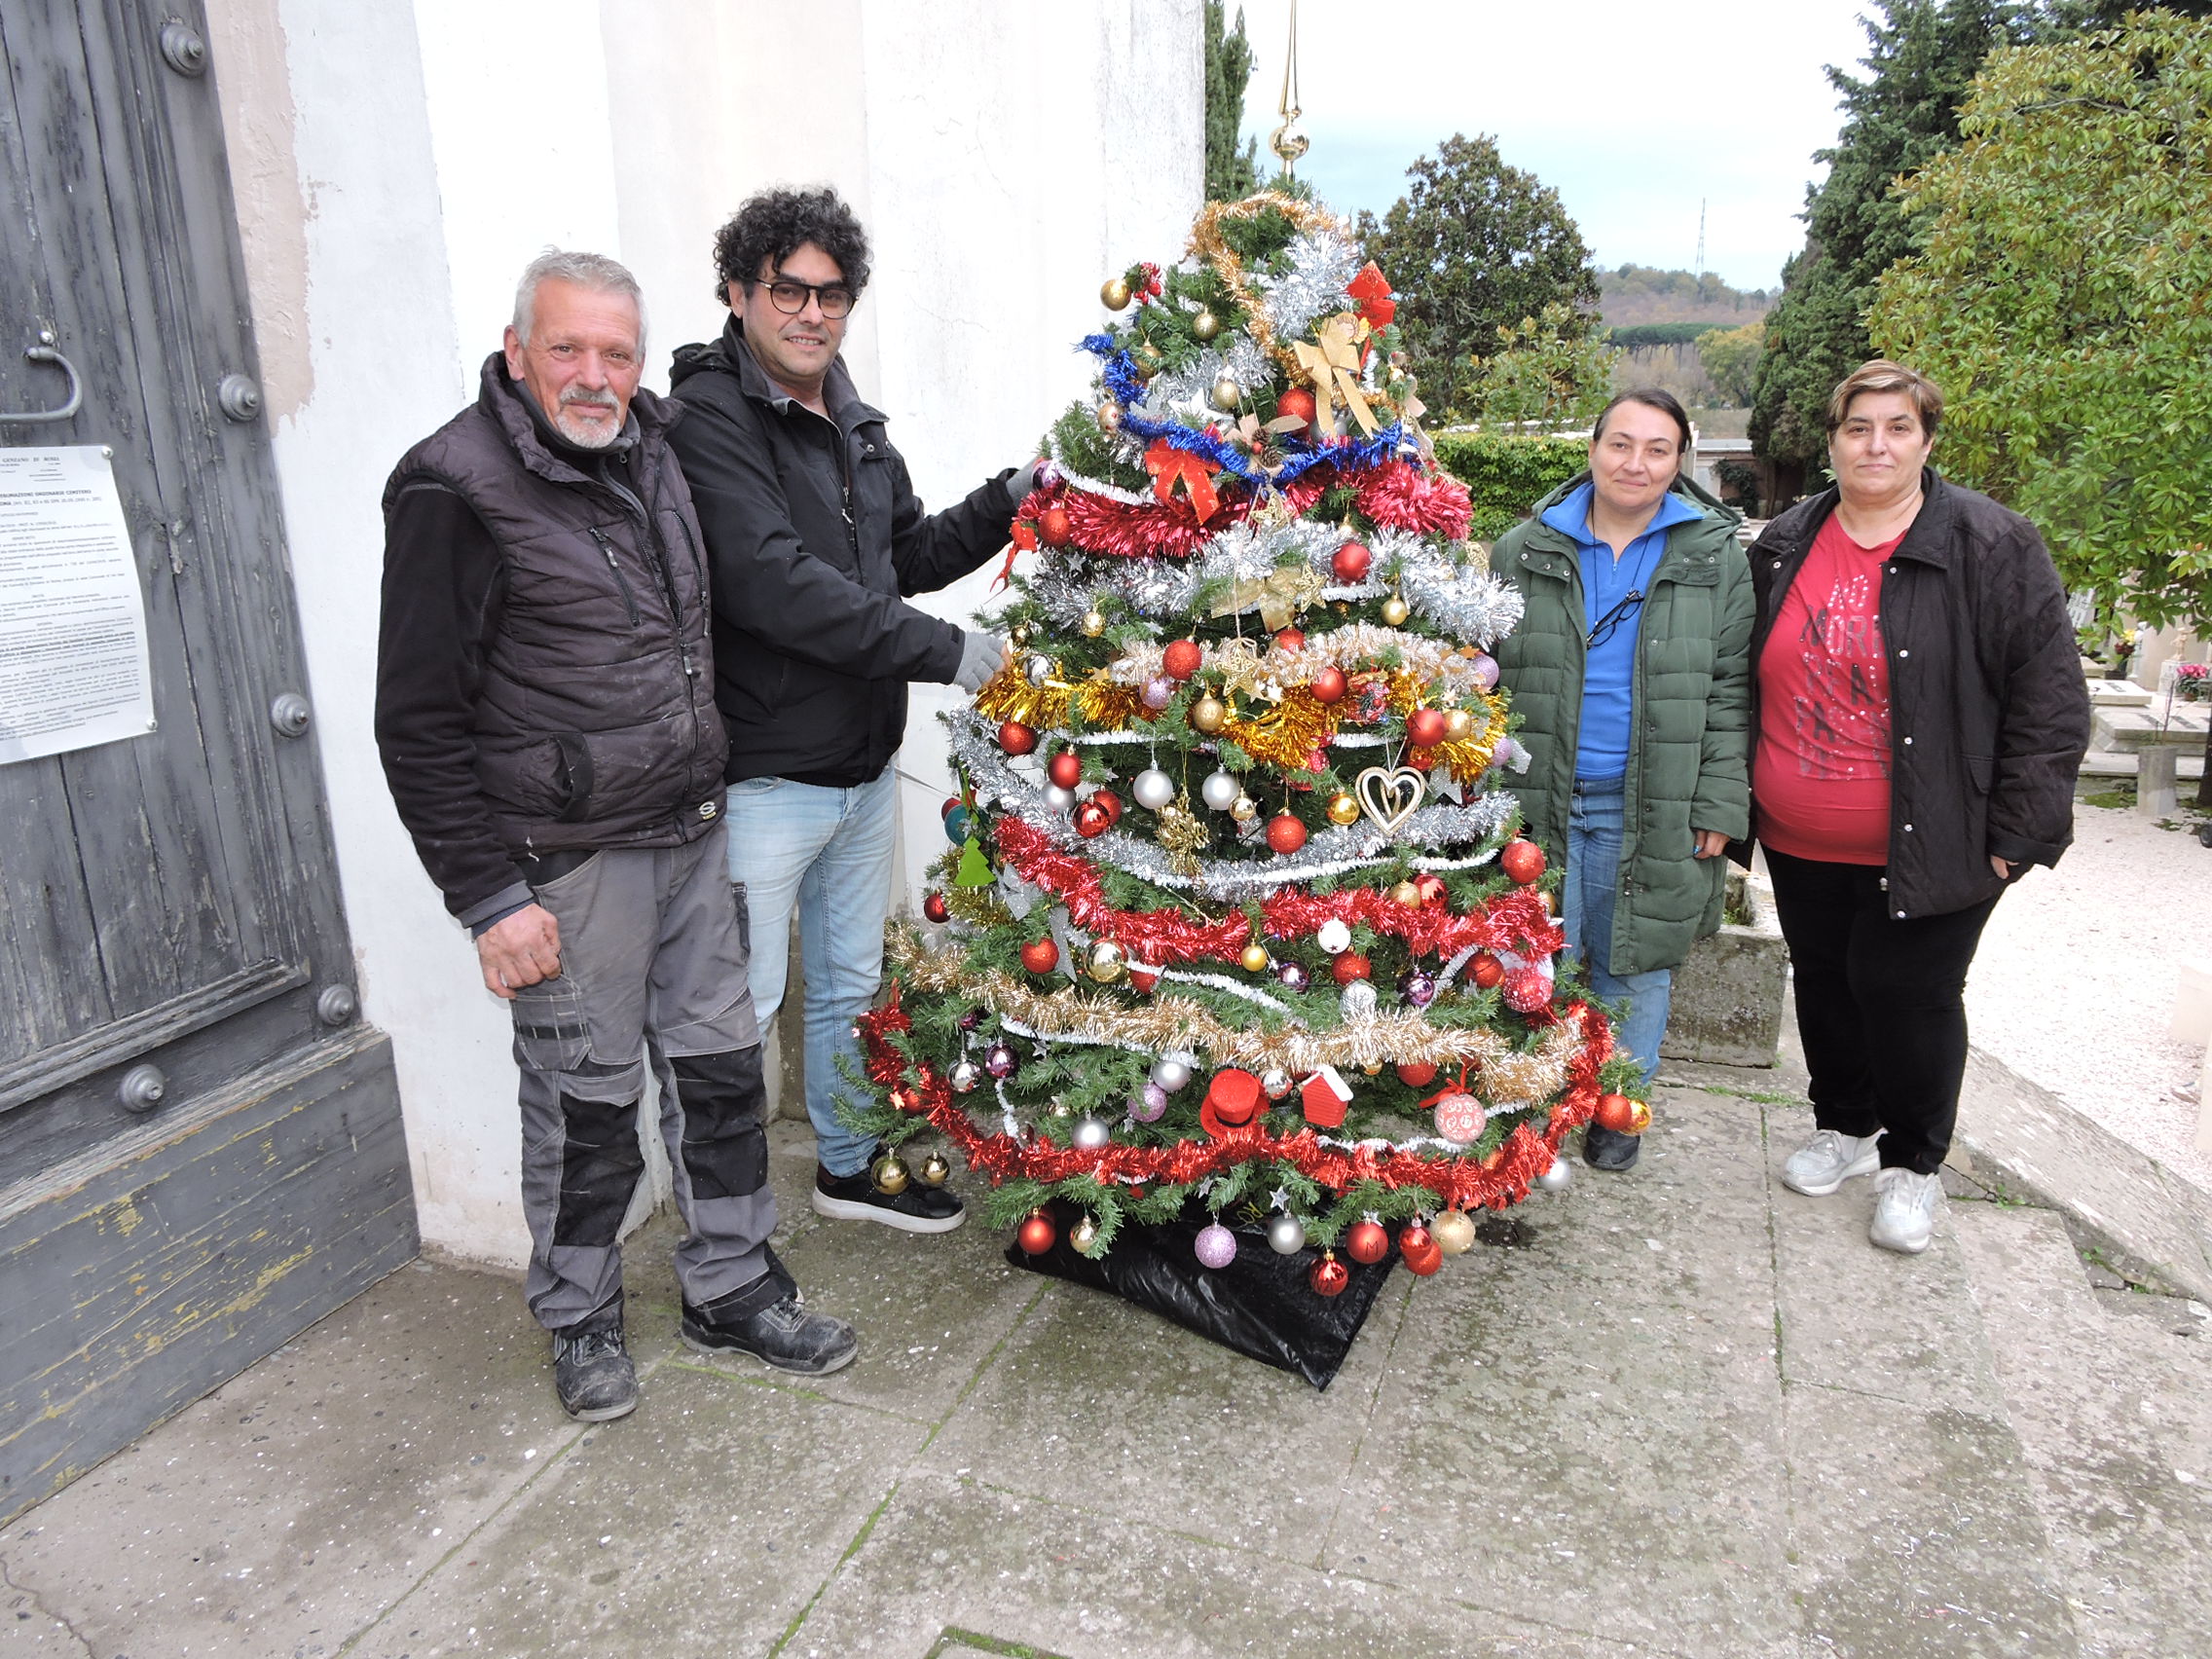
(585, 435)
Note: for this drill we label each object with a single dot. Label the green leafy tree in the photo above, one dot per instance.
(1476, 246)
(1231, 172)
(1731, 359)
(1548, 371)
(2060, 297)
(1921, 57)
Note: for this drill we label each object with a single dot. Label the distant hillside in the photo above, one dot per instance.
(1638, 296)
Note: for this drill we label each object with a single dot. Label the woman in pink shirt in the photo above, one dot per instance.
(1920, 716)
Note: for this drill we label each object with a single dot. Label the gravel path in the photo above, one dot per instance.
(2074, 984)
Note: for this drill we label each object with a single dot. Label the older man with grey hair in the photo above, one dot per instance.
(545, 713)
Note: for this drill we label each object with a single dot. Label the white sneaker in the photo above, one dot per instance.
(1904, 1211)
(1828, 1161)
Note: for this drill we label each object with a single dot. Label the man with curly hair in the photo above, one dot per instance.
(816, 537)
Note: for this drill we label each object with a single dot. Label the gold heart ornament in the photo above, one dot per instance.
(1389, 797)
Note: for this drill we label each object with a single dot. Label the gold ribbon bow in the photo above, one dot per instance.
(1333, 365)
(1279, 596)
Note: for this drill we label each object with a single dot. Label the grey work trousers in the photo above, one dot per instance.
(652, 966)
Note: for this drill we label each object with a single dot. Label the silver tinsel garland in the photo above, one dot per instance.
(1321, 262)
(1187, 393)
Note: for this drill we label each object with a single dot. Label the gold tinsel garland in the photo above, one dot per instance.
(1168, 1023)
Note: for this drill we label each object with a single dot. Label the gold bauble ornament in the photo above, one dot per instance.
(1458, 722)
(1344, 809)
(889, 1174)
(1209, 713)
(1110, 416)
(1453, 1233)
(1205, 326)
(1019, 633)
(935, 1170)
(1254, 958)
(1147, 358)
(1083, 1235)
(1115, 294)
(1227, 394)
(1243, 808)
(1093, 624)
(1394, 611)
(1406, 894)
(1107, 961)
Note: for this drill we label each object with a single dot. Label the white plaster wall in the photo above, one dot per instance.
(397, 162)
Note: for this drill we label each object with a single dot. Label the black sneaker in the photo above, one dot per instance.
(920, 1209)
(783, 1333)
(592, 1373)
(1609, 1148)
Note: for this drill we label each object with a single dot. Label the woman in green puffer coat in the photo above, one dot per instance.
(1631, 669)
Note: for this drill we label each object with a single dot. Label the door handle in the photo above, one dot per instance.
(48, 354)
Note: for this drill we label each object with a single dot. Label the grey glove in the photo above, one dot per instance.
(1024, 479)
(981, 655)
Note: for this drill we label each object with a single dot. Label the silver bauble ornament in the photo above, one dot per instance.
(1038, 669)
(1334, 936)
(1276, 1081)
(1059, 800)
(1292, 975)
(967, 1077)
(1286, 1234)
(1556, 1178)
(1172, 1071)
(1152, 788)
(1360, 1000)
(1220, 790)
(1091, 1134)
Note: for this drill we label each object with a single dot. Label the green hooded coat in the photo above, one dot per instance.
(1689, 744)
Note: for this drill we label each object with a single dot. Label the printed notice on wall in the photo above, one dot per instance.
(73, 667)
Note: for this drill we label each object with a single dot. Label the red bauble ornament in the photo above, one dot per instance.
(1487, 971)
(1366, 1242)
(1328, 1276)
(1110, 803)
(1181, 659)
(1416, 1074)
(1425, 728)
(1521, 859)
(1053, 527)
(1092, 819)
(1285, 833)
(1348, 966)
(1143, 978)
(1290, 638)
(1037, 1234)
(1016, 738)
(1065, 769)
(1430, 886)
(1297, 404)
(936, 908)
(1621, 1114)
(1419, 1249)
(945, 811)
(1352, 562)
(1041, 956)
(1527, 990)
(1328, 684)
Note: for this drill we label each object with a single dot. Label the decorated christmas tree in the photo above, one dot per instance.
(1234, 930)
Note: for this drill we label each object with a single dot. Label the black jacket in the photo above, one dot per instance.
(1989, 715)
(544, 666)
(815, 533)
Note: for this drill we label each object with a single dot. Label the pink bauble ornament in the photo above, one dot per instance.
(1216, 1246)
(1461, 1117)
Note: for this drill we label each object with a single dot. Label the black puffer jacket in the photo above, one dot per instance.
(554, 691)
(815, 533)
(1989, 715)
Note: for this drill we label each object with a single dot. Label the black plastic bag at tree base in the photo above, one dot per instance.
(1260, 1306)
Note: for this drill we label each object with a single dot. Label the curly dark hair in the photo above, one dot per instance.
(773, 224)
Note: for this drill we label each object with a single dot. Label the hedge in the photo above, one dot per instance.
(1507, 475)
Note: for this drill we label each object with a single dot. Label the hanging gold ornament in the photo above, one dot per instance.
(1458, 722)
(1406, 894)
(1115, 294)
(890, 1174)
(1243, 808)
(1107, 961)
(1093, 624)
(1209, 713)
(1394, 611)
(1205, 326)
(1453, 1233)
(1182, 835)
(1146, 356)
(935, 1170)
(1254, 958)
(1342, 809)
(1083, 1235)
(1110, 416)
(1019, 633)
(1227, 394)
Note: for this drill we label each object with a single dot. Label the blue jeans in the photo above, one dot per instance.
(827, 852)
(1592, 878)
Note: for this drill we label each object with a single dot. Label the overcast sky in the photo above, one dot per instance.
(1632, 112)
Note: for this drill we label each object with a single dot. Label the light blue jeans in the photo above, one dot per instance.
(829, 852)
(1592, 877)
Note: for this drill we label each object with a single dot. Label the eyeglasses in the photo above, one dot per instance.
(790, 297)
(1603, 629)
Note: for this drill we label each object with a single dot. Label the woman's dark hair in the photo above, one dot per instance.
(1651, 397)
(775, 224)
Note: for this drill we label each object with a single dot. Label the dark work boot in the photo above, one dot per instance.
(783, 1333)
(592, 1372)
(1609, 1148)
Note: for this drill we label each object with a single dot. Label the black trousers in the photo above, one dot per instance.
(1880, 1005)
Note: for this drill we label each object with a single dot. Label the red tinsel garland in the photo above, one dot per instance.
(1401, 497)
(1157, 529)
(1501, 1179)
(1515, 921)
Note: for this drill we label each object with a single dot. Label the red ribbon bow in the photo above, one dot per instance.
(1372, 289)
(1169, 466)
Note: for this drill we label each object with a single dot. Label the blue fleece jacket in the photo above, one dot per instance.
(1608, 674)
